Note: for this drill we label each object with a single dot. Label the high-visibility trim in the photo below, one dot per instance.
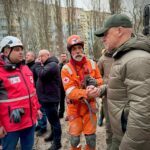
(17, 99)
(93, 64)
(68, 69)
(68, 91)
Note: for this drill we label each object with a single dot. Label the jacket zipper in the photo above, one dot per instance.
(29, 96)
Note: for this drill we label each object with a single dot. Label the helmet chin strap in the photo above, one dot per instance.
(9, 54)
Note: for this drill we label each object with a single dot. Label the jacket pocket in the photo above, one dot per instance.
(124, 119)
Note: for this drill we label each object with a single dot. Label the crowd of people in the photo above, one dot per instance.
(34, 90)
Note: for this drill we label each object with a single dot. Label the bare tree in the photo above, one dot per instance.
(58, 23)
(137, 16)
(39, 22)
(136, 13)
(46, 24)
(38, 32)
(17, 14)
(70, 13)
(115, 6)
(96, 22)
(22, 11)
(9, 11)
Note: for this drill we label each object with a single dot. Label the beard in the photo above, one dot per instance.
(78, 57)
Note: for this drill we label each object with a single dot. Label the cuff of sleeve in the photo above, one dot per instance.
(84, 95)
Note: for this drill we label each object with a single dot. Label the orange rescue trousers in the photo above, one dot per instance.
(84, 122)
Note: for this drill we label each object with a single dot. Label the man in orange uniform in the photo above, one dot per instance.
(80, 77)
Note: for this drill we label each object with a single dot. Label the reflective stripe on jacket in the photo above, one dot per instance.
(17, 99)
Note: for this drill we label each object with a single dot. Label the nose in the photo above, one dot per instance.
(21, 51)
(78, 50)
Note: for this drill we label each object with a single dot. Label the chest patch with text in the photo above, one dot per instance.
(14, 79)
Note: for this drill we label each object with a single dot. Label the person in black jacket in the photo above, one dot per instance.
(63, 61)
(41, 126)
(48, 90)
(30, 62)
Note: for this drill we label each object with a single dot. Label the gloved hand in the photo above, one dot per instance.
(16, 115)
(92, 92)
(90, 81)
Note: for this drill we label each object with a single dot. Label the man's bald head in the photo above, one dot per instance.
(44, 51)
(44, 55)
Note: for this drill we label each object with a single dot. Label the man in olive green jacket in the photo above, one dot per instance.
(128, 90)
(104, 65)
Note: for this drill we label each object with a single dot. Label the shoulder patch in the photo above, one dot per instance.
(66, 80)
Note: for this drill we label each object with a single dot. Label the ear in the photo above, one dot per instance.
(120, 31)
(6, 51)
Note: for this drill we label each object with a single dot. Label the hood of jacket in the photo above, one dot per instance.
(3, 60)
(30, 64)
(140, 42)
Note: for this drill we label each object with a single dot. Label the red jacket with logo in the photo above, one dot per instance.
(17, 91)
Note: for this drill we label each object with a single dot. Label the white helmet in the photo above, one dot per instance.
(9, 41)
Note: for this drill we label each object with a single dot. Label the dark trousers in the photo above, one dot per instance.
(62, 104)
(51, 110)
(26, 136)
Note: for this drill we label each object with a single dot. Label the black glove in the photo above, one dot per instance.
(90, 81)
(16, 115)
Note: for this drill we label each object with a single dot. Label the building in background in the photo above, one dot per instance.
(44, 25)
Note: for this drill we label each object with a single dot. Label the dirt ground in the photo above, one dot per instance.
(100, 140)
(41, 145)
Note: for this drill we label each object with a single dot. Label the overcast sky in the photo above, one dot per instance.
(127, 5)
(86, 4)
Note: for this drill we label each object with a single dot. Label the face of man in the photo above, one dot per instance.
(77, 52)
(29, 57)
(111, 38)
(16, 55)
(43, 56)
(63, 58)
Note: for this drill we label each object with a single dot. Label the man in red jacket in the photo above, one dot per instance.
(19, 106)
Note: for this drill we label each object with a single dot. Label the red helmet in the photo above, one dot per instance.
(74, 40)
